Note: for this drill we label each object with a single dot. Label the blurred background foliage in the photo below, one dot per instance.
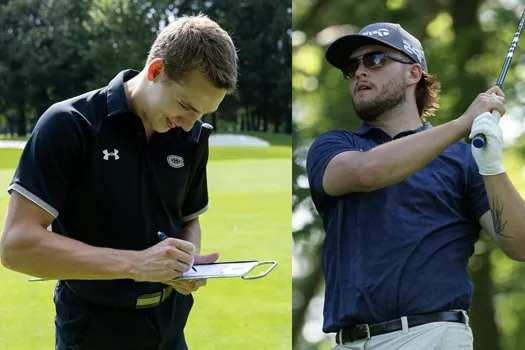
(465, 43)
(51, 50)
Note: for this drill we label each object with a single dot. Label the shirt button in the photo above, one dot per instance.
(139, 134)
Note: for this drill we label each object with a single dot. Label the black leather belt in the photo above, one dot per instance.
(365, 331)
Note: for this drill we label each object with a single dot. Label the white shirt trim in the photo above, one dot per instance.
(194, 215)
(33, 198)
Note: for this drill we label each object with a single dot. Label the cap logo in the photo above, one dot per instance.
(380, 32)
(411, 49)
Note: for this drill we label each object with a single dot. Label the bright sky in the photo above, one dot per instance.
(512, 127)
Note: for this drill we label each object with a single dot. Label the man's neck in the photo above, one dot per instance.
(133, 90)
(397, 120)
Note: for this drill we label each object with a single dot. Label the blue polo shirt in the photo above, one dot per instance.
(400, 250)
(89, 165)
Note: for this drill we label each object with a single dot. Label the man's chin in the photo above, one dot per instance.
(365, 115)
(162, 130)
(368, 118)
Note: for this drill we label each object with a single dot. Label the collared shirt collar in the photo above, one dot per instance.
(116, 96)
(365, 129)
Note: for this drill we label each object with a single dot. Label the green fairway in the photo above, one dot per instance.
(9, 158)
(249, 218)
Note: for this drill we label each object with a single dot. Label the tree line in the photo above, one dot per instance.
(56, 49)
(465, 50)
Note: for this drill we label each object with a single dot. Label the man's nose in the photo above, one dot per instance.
(361, 70)
(187, 123)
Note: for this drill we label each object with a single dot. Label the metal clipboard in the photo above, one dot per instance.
(229, 269)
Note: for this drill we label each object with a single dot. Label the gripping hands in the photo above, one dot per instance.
(490, 157)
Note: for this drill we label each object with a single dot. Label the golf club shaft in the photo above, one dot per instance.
(480, 140)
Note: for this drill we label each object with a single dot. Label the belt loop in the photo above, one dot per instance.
(465, 315)
(404, 324)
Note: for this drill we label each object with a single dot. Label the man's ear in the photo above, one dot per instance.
(414, 74)
(155, 69)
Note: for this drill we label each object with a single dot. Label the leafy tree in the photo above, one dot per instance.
(465, 50)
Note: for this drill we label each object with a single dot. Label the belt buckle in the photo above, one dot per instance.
(148, 300)
(153, 299)
(363, 328)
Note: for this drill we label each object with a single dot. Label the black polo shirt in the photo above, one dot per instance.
(88, 164)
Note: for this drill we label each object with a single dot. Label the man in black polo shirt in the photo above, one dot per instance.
(403, 202)
(107, 171)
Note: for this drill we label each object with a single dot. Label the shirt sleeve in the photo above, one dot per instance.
(323, 149)
(50, 159)
(477, 202)
(196, 200)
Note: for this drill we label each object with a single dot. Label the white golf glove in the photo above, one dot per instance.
(489, 158)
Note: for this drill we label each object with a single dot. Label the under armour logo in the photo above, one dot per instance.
(113, 154)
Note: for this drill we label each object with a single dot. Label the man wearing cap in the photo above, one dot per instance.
(107, 171)
(403, 202)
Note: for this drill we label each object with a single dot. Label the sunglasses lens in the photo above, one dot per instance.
(371, 60)
(350, 70)
(374, 60)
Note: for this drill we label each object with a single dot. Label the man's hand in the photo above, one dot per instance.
(484, 102)
(165, 260)
(489, 158)
(189, 286)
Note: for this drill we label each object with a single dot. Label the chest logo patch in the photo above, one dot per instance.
(175, 161)
(110, 154)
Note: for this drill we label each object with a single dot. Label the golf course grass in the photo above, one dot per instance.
(249, 219)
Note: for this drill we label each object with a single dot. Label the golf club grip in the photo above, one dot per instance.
(479, 140)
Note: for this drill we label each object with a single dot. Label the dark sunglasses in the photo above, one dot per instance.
(371, 60)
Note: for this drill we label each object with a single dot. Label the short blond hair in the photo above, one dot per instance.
(197, 42)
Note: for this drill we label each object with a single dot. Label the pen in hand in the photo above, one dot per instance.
(163, 236)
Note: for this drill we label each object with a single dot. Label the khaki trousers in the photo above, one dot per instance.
(430, 336)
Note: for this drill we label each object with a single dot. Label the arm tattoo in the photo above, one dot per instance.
(497, 210)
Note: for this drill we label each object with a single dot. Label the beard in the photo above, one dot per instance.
(390, 96)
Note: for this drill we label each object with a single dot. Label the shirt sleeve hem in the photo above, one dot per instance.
(482, 211)
(194, 215)
(33, 198)
(325, 165)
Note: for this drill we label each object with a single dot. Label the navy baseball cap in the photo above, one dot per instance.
(386, 34)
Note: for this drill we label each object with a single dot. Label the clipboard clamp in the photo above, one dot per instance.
(262, 274)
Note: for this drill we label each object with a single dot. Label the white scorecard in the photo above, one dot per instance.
(228, 269)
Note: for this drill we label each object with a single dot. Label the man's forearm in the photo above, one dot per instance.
(393, 162)
(508, 213)
(191, 232)
(51, 256)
